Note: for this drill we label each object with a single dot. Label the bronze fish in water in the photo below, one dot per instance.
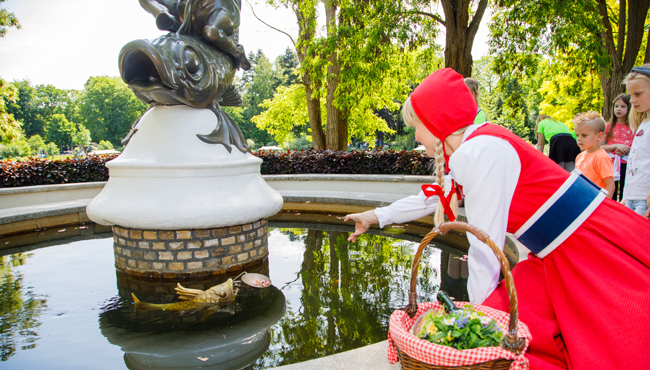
(192, 299)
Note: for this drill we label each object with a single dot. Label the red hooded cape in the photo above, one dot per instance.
(444, 103)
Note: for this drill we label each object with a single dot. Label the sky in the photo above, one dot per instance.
(64, 42)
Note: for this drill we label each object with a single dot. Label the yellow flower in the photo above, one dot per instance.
(449, 338)
(431, 329)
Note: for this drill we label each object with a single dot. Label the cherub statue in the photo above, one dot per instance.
(217, 21)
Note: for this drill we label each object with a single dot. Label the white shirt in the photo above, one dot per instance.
(488, 168)
(637, 175)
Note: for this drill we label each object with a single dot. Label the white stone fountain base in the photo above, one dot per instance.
(168, 179)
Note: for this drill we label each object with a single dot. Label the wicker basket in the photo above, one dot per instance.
(511, 341)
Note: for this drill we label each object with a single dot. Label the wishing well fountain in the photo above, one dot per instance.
(186, 198)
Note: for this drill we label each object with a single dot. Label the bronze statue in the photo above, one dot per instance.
(217, 21)
(182, 69)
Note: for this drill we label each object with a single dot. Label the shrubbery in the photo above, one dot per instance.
(35, 171)
(388, 162)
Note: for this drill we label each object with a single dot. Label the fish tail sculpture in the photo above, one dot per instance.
(221, 294)
(179, 69)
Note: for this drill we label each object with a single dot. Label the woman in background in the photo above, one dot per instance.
(563, 146)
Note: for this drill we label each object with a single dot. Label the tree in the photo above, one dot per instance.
(82, 137)
(596, 36)
(288, 67)
(60, 131)
(108, 108)
(36, 105)
(9, 128)
(7, 19)
(306, 14)
(258, 84)
(355, 65)
(511, 102)
(460, 30)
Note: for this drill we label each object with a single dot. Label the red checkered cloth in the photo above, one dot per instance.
(434, 354)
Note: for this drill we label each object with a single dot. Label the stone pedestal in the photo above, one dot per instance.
(181, 207)
(183, 254)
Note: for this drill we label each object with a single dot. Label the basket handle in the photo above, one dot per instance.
(511, 342)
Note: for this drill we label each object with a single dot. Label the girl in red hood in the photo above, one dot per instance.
(584, 290)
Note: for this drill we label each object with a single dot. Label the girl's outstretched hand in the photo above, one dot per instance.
(363, 221)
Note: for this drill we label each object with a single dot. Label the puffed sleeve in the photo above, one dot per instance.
(488, 168)
(409, 208)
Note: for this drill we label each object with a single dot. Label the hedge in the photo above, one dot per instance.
(35, 171)
(388, 162)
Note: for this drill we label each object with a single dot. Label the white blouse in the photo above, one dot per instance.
(488, 169)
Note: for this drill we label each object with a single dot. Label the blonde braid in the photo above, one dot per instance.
(439, 216)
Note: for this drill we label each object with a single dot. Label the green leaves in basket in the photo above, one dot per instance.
(465, 329)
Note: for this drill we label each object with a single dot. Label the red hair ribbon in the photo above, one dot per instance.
(431, 190)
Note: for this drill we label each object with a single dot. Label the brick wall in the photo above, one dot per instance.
(173, 254)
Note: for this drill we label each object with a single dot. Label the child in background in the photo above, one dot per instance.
(636, 195)
(593, 162)
(618, 138)
(563, 148)
(472, 84)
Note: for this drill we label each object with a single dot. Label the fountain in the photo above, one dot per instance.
(185, 198)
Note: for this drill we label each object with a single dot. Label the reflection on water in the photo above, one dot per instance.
(20, 309)
(328, 296)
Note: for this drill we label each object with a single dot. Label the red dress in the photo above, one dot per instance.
(587, 303)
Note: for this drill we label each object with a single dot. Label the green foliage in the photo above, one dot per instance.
(511, 102)
(36, 105)
(20, 308)
(36, 142)
(298, 143)
(461, 330)
(51, 149)
(7, 19)
(590, 41)
(9, 128)
(288, 67)
(60, 131)
(82, 137)
(104, 145)
(568, 91)
(108, 108)
(15, 149)
(406, 141)
(256, 85)
(285, 111)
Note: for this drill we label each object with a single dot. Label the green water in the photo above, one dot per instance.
(65, 307)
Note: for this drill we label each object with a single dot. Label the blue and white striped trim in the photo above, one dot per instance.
(561, 214)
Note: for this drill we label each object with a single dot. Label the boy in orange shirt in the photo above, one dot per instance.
(593, 162)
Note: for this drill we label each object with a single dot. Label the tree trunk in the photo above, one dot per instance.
(306, 31)
(313, 109)
(456, 56)
(460, 33)
(622, 61)
(336, 130)
(612, 86)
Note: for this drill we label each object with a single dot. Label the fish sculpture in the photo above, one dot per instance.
(217, 21)
(193, 299)
(178, 69)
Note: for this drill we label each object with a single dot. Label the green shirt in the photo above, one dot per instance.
(480, 117)
(550, 128)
